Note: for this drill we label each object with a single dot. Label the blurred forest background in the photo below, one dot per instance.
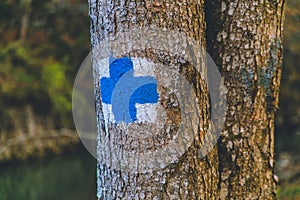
(42, 44)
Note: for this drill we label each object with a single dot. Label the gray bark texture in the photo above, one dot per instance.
(245, 40)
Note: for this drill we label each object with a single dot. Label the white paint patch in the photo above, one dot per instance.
(146, 112)
(103, 66)
(143, 67)
(107, 112)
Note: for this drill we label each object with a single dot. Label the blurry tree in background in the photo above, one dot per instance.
(288, 119)
(42, 45)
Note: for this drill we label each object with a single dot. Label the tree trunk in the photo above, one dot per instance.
(190, 177)
(25, 19)
(245, 40)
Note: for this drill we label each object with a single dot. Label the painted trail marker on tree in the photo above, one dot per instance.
(147, 110)
(123, 91)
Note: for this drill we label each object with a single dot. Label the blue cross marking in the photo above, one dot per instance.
(122, 90)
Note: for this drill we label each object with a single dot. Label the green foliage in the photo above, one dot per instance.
(289, 192)
(40, 68)
(18, 72)
(54, 82)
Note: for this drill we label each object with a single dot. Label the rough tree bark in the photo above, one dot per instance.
(245, 39)
(191, 177)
